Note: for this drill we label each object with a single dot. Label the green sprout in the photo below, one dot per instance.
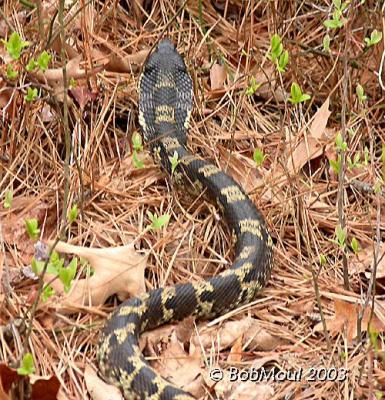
(15, 45)
(296, 94)
(157, 222)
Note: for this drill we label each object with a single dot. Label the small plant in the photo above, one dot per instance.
(56, 267)
(326, 43)
(375, 37)
(360, 93)
(47, 292)
(336, 164)
(11, 72)
(157, 222)
(355, 245)
(322, 259)
(43, 60)
(31, 94)
(277, 54)
(174, 161)
(337, 21)
(8, 199)
(73, 214)
(66, 275)
(15, 45)
(27, 365)
(137, 147)
(258, 157)
(296, 94)
(356, 162)
(341, 236)
(252, 87)
(340, 143)
(32, 228)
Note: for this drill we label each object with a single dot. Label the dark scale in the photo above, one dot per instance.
(165, 103)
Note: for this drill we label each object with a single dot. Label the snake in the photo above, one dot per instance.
(165, 105)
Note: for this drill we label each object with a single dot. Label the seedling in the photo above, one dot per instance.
(8, 199)
(360, 93)
(375, 37)
(258, 157)
(174, 161)
(27, 365)
(157, 222)
(32, 228)
(31, 94)
(253, 86)
(15, 45)
(296, 94)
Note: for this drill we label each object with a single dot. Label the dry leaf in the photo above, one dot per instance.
(320, 121)
(98, 389)
(241, 168)
(252, 391)
(181, 368)
(229, 332)
(235, 355)
(217, 76)
(305, 150)
(347, 313)
(363, 262)
(118, 270)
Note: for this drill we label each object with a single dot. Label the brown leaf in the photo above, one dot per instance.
(44, 388)
(241, 168)
(118, 270)
(305, 150)
(230, 331)
(217, 76)
(98, 389)
(346, 313)
(181, 368)
(235, 355)
(320, 120)
(83, 95)
(252, 391)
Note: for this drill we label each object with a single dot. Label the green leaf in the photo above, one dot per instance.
(32, 228)
(43, 60)
(375, 37)
(32, 64)
(8, 199)
(174, 161)
(37, 267)
(360, 93)
(72, 83)
(341, 236)
(252, 87)
(137, 163)
(333, 23)
(258, 157)
(137, 142)
(11, 73)
(66, 275)
(47, 292)
(276, 47)
(27, 365)
(31, 94)
(73, 214)
(296, 94)
(340, 143)
(355, 245)
(322, 259)
(326, 43)
(282, 61)
(337, 4)
(15, 45)
(158, 222)
(336, 164)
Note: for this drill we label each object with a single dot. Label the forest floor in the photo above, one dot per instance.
(288, 100)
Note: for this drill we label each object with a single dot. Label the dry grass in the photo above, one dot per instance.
(110, 41)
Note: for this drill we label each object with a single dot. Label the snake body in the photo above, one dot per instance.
(165, 104)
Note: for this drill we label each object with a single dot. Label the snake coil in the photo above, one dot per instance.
(165, 104)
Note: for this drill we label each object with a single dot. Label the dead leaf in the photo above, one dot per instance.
(117, 270)
(346, 313)
(83, 95)
(235, 355)
(252, 391)
(363, 262)
(230, 331)
(320, 121)
(306, 150)
(98, 389)
(241, 168)
(217, 76)
(182, 369)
